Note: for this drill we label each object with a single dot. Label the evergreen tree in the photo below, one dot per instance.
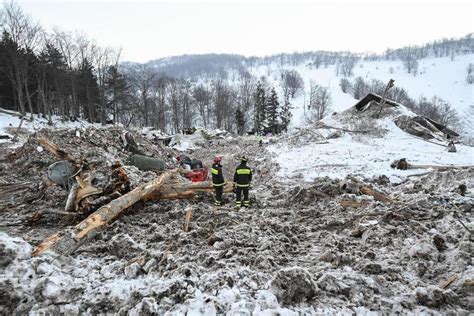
(285, 114)
(240, 120)
(88, 94)
(259, 109)
(116, 91)
(273, 111)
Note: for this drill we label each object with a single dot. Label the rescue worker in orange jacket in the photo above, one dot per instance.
(218, 181)
(242, 179)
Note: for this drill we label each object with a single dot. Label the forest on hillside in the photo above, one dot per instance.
(68, 74)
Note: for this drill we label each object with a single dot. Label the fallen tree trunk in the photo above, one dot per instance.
(178, 190)
(68, 240)
(353, 204)
(14, 113)
(402, 164)
(377, 195)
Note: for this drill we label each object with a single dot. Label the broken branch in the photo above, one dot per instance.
(68, 240)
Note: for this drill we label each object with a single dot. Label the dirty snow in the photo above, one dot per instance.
(365, 155)
(298, 250)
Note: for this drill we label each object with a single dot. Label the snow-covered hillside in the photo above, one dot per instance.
(442, 77)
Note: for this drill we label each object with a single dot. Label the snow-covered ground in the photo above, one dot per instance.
(442, 77)
(102, 282)
(9, 125)
(365, 156)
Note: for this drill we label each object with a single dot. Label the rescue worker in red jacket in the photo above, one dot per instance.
(217, 179)
(242, 179)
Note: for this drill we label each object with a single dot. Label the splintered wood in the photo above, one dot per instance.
(68, 240)
(446, 283)
(54, 150)
(377, 195)
(187, 218)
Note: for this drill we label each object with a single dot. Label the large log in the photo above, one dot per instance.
(14, 113)
(178, 190)
(402, 164)
(68, 240)
(377, 195)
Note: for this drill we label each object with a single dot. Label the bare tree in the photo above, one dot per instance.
(103, 58)
(174, 103)
(246, 87)
(410, 60)
(345, 85)
(347, 66)
(222, 99)
(359, 88)
(187, 103)
(470, 74)
(203, 97)
(142, 76)
(438, 110)
(291, 82)
(319, 102)
(159, 93)
(64, 41)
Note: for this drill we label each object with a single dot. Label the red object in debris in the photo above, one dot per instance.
(197, 175)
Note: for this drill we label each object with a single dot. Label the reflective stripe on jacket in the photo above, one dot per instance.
(217, 176)
(243, 175)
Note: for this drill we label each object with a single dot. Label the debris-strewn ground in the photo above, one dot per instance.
(303, 247)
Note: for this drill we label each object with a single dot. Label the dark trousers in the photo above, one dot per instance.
(238, 193)
(219, 190)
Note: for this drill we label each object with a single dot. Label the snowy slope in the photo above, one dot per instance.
(9, 125)
(364, 155)
(442, 77)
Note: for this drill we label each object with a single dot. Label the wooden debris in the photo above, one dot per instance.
(18, 130)
(325, 126)
(178, 190)
(54, 150)
(353, 204)
(402, 164)
(187, 218)
(14, 113)
(446, 283)
(71, 204)
(85, 189)
(377, 195)
(68, 240)
(382, 102)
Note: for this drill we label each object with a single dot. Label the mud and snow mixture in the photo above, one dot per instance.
(315, 241)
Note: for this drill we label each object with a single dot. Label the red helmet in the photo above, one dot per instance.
(217, 159)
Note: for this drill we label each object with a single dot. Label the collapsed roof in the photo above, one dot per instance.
(417, 125)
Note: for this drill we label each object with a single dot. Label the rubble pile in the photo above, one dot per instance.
(350, 245)
(30, 196)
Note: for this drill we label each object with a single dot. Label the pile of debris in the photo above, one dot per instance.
(351, 245)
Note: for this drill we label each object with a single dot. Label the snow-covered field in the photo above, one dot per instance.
(9, 125)
(365, 156)
(442, 77)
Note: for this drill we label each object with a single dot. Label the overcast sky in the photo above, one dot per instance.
(148, 30)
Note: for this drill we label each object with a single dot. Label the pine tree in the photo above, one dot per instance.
(273, 111)
(285, 114)
(259, 109)
(240, 120)
(116, 89)
(88, 94)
